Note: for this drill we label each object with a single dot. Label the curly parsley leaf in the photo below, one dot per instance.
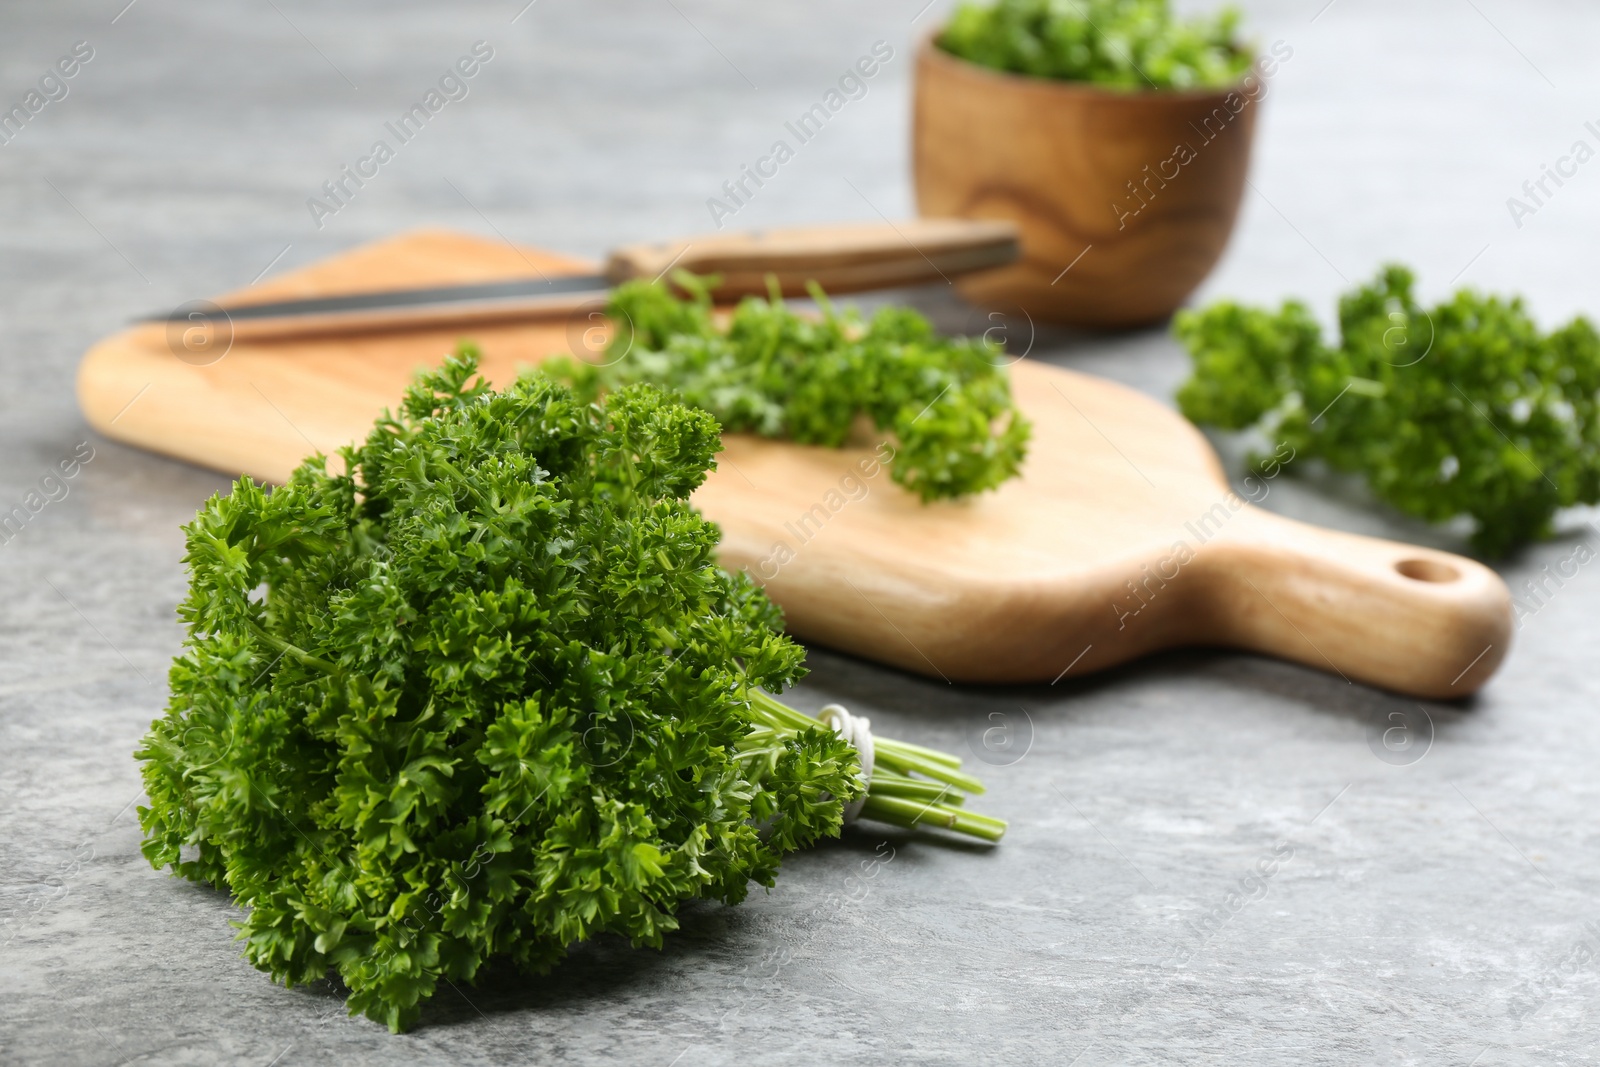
(485, 693)
(1125, 44)
(1464, 409)
(946, 403)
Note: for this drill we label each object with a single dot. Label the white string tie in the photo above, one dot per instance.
(856, 731)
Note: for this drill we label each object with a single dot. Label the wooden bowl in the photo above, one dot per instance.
(1125, 199)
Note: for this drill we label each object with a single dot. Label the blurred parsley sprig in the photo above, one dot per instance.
(945, 402)
(1467, 409)
(1125, 44)
(486, 694)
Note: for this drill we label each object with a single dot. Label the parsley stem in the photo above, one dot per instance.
(888, 784)
(893, 794)
(293, 651)
(914, 813)
(889, 755)
(936, 756)
(778, 713)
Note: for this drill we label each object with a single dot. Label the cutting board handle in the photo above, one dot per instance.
(1414, 620)
(842, 259)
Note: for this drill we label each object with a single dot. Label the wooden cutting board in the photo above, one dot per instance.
(1121, 537)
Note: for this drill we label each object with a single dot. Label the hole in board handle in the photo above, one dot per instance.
(1427, 570)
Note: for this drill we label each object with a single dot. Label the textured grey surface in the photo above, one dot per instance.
(1435, 912)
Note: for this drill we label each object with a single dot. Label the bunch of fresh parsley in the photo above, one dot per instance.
(1467, 409)
(945, 402)
(486, 693)
(1125, 44)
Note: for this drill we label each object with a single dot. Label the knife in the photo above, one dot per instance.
(843, 258)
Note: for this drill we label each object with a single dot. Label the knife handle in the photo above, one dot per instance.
(842, 259)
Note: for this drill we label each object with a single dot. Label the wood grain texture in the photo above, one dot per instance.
(259, 407)
(1121, 536)
(1097, 179)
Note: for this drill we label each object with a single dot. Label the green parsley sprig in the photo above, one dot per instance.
(1464, 409)
(1124, 44)
(946, 403)
(486, 694)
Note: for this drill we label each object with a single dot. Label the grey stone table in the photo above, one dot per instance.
(1437, 908)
